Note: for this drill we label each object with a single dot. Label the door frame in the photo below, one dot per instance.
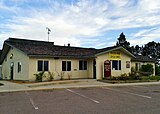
(107, 68)
(11, 70)
(94, 69)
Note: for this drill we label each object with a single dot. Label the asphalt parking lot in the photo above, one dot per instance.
(102, 100)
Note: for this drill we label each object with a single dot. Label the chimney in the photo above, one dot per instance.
(68, 44)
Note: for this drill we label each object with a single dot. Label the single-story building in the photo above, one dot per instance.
(22, 58)
(142, 60)
(0, 66)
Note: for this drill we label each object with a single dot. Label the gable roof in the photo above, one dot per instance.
(141, 58)
(109, 49)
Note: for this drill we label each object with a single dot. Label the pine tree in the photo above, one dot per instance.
(122, 42)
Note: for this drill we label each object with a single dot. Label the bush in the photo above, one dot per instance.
(154, 78)
(50, 76)
(157, 70)
(39, 76)
(147, 69)
(123, 77)
(134, 75)
(62, 75)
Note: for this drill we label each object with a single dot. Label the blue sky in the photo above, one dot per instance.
(86, 23)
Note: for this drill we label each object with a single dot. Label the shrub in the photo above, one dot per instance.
(69, 75)
(51, 76)
(134, 75)
(62, 75)
(39, 76)
(157, 70)
(147, 69)
(154, 78)
(123, 77)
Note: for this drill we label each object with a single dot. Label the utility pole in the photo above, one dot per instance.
(48, 31)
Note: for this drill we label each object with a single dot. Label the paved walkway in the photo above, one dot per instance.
(12, 87)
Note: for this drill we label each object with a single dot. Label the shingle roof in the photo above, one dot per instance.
(48, 49)
(35, 48)
(143, 58)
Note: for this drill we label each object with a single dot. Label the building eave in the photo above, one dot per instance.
(116, 48)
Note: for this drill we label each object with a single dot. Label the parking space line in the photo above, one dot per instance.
(95, 101)
(128, 93)
(31, 100)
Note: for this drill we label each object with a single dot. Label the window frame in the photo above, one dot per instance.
(19, 67)
(83, 65)
(66, 66)
(42, 66)
(116, 64)
(128, 64)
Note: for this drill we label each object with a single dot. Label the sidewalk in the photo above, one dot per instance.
(80, 83)
(11, 87)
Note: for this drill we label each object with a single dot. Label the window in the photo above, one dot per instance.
(19, 66)
(116, 65)
(43, 65)
(66, 65)
(127, 64)
(11, 56)
(137, 66)
(82, 65)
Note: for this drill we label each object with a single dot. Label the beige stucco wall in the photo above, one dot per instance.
(55, 66)
(143, 63)
(100, 65)
(0, 71)
(18, 56)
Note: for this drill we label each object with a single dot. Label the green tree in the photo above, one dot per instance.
(137, 50)
(152, 49)
(122, 42)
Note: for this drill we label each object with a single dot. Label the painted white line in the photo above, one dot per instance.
(95, 101)
(128, 93)
(31, 100)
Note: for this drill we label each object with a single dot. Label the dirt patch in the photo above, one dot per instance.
(21, 82)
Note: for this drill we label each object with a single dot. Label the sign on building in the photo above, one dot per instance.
(115, 55)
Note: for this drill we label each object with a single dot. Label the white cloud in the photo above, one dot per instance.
(145, 36)
(119, 3)
(80, 20)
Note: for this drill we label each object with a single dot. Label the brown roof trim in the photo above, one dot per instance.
(141, 58)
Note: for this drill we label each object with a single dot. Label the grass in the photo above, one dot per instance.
(152, 78)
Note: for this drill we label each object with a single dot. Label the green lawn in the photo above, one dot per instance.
(151, 77)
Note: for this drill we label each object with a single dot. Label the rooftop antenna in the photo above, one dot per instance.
(48, 31)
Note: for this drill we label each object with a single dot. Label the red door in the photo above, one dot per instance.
(107, 68)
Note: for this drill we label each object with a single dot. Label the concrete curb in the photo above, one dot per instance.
(74, 86)
(52, 83)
